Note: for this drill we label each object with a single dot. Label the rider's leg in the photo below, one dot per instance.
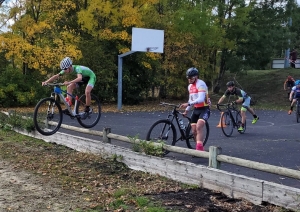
(199, 135)
(88, 91)
(70, 89)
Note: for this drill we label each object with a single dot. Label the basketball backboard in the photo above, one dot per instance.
(147, 40)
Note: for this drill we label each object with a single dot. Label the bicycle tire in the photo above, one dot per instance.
(190, 141)
(226, 124)
(239, 122)
(44, 112)
(162, 130)
(88, 120)
(297, 112)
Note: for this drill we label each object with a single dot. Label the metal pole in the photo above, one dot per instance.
(120, 77)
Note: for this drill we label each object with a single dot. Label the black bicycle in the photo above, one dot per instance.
(298, 110)
(230, 119)
(165, 131)
(48, 114)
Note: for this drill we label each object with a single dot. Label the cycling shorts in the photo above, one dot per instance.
(200, 113)
(87, 80)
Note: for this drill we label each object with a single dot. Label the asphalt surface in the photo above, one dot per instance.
(274, 140)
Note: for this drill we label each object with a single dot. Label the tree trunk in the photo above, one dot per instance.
(221, 72)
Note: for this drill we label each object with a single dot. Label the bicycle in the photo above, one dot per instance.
(165, 130)
(48, 113)
(230, 119)
(298, 110)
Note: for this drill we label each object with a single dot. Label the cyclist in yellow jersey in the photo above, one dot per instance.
(198, 98)
(84, 75)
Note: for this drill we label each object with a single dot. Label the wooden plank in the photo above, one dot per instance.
(282, 195)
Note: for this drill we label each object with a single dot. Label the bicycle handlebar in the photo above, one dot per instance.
(169, 104)
(228, 106)
(54, 84)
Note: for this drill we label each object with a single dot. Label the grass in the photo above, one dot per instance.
(265, 86)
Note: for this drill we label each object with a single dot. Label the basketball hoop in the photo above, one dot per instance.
(151, 49)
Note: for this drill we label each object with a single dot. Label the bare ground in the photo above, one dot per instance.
(37, 176)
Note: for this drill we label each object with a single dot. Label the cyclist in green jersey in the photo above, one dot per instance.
(84, 76)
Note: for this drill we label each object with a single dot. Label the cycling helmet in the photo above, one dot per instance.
(191, 72)
(65, 63)
(297, 82)
(230, 83)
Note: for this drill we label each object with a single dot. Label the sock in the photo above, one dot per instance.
(255, 116)
(199, 146)
(243, 125)
(292, 107)
(87, 108)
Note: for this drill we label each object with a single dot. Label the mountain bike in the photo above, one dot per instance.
(230, 119)
(48, 113)
(298, 110)
(164, 130)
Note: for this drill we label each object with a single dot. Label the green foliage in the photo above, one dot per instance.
(148, 147)
(14, 120)
(213, 36)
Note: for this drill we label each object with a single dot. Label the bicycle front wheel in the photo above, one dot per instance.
(88, 120)
(47, 116)
(191, 141)
(226, 124)
(162, 131)
(239, 122)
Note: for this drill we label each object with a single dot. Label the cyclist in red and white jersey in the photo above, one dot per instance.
(198, 98)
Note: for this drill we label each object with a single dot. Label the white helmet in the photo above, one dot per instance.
(65, 63)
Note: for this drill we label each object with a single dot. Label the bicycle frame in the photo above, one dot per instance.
(230, 109)
(58, 92)
(174, 115)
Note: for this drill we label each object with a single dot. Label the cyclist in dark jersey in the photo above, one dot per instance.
(243, 98)
(198, 98)
(84, 75)
(295, 94)
(288, 84)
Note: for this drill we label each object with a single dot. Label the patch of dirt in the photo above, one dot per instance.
(39, 176)
(21, 191)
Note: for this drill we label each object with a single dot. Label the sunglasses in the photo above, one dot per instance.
(190, 77)
(66, 69)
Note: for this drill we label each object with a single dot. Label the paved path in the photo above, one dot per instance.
(274, 140)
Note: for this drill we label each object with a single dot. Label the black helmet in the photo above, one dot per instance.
(191, 72)
(230, 83)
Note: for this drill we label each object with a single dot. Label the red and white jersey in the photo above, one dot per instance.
(198, 94)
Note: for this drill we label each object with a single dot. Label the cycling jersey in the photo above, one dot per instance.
(237, 92)
(198, 94)
(296, 91)
(289, 83)
(84, 71)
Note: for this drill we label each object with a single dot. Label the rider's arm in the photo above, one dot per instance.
(221, 99)
(78, 79)
(54, 77)
(284, 84)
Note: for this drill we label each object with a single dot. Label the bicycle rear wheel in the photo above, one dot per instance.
(88, 120)
(239, 122)
(190, 140)
(162, 131)
(47, 116)
(226, 124)
(297, 112)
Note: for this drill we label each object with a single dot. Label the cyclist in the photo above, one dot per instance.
(243, 98)
(295, 94)
(84, 76)
(288, 84)
(198, 97)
